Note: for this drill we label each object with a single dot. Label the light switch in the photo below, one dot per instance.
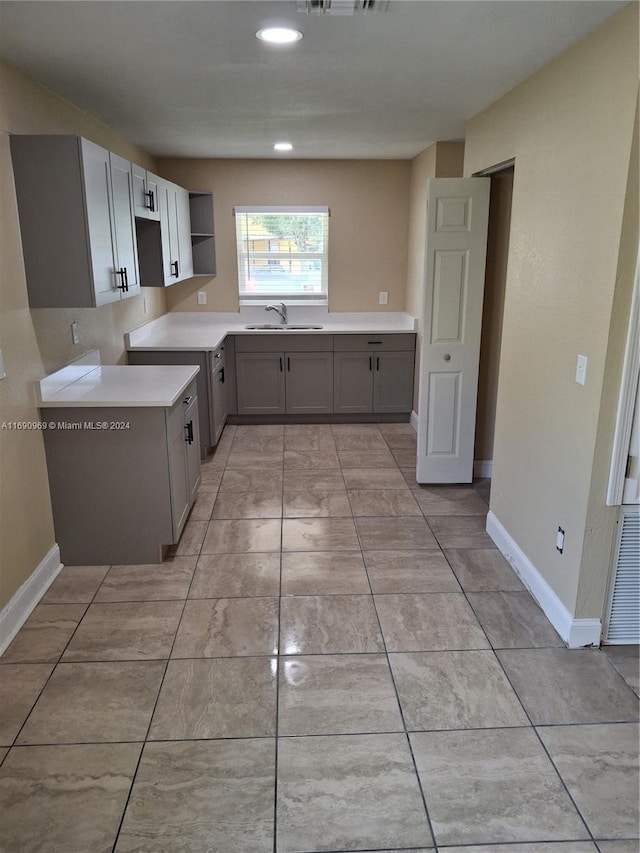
(75, 336)
(3, 372)
(581, 369)
(202, 297)
(384, 297)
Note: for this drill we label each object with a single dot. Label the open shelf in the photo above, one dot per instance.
(203, 242)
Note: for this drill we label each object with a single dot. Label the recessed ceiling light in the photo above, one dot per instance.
(283, 146)
(279, 35)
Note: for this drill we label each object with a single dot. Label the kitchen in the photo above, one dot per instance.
(39, 341)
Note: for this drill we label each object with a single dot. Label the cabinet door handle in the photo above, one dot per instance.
(375, 342)
(377, 362)
(123, 284)
(126, 280)
(221, 375)
(187, 400)
(370, 363)
(189, 429)
(175, 264)
(152, 201)
(288, 364)
(280, 364)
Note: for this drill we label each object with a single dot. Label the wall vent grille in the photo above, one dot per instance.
(623, 620)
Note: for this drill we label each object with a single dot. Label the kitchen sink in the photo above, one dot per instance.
(265, 326)
(280, 327)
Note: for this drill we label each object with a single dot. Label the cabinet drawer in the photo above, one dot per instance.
(382, 343)
(175, 415)
(284, 342)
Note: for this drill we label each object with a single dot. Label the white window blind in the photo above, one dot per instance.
(282, 253)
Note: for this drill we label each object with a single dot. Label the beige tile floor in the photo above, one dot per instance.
(333, 659)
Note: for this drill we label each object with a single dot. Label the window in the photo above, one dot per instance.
(282, 253)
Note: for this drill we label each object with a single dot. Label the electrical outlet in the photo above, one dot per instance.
(560, 540)
(75, 335)
(202, 297)
(581, 369)
(383, 299)
(144, 305)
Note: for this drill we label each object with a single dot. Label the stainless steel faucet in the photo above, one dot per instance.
(281, 311)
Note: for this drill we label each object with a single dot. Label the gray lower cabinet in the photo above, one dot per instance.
(183, 442)
(219, 394)
(292, 383)
(309, 383)
(352, 382)
(373, 381)
(260, 383)
(121, 494)
(212, 389)
(393, 382)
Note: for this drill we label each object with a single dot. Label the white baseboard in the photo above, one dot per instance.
(483, 468)
(413, 420)
(576, 633)
(17, 610)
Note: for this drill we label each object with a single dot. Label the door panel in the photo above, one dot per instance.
(309, 383)
(457, 219)
(97, 182)
(353, 382)
(260, 383)
(124, 222)
(393, 382)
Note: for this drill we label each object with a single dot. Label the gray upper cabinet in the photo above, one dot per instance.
(167, 257)
(309, 383)
(75, 203)
(145, 193)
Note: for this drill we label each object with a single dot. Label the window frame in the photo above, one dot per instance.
(245, 297)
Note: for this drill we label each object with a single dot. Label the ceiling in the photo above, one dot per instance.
(190, 79)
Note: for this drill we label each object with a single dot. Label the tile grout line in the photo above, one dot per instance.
(400, 708)
(57, 662)
(278, 664)
(153, 711)
(526, 713)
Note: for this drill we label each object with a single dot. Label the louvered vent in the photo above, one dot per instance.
(623, 623)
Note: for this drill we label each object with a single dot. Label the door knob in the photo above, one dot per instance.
(447, 357)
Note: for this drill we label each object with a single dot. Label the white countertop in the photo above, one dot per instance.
(85, 383)
(206, 331)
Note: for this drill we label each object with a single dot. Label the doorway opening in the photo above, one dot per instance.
(492, 315)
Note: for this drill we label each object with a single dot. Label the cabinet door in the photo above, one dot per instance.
(153, 183)
(393, 382)
(309, 383)
(173, 243)
(260, 383)
(352, 382)
(98, 205)
(219, 396)
(124, 227)
(178, 471)
(192, 447)
(185, 251)
(145, 193)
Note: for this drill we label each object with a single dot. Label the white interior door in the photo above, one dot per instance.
(456, 244)
(631, 490)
